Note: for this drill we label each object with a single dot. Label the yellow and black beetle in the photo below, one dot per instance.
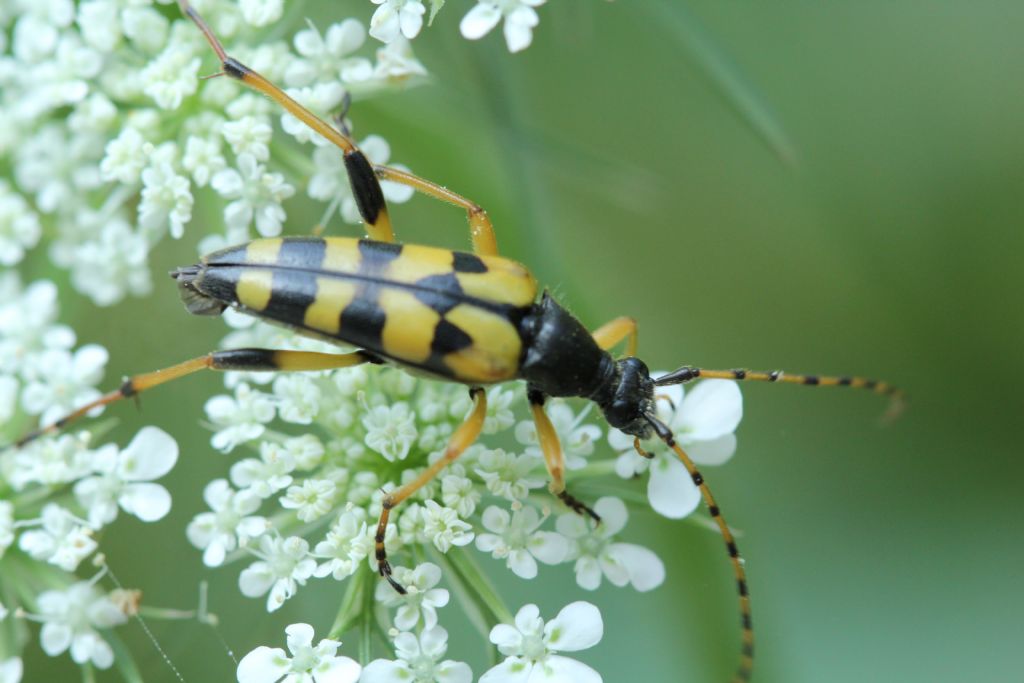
(473, 318)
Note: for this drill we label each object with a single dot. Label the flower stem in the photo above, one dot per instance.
(366, 626)
(122, 660)
(599, 468)
(476, 583)
(352, 605)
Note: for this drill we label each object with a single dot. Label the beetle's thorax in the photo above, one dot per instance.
(561, 358)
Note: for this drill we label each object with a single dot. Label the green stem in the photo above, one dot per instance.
(297, 161)
(366, 626)
(473, 610)
(599, 468)
(123, 659)
(471, 588)
(166, 613)
(292, 16)
(477, 583)
(351, 609)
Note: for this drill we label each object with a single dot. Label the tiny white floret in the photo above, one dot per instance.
(310, 663)
(531, 646)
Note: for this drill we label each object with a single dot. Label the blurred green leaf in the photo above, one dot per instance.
(435, 7)
(720, 70)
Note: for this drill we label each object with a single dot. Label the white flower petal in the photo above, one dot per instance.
(512, 670)
(712, 408)
(384, 24)
(588, 573)
(255, 580)
(548, 547)
(506, 635)
(151, 455)
(527, 618)
(562, 669)
(55, 638)
(412, 20)
(488, 542)
(713, 452)
(298, 636)
(453, 672)
(522, 564)
(519, 28)
(620, 441)
(671, 490)
(479, 21)
(613, 515)
(149, 502)
(263, 665)
(577, 627)
(572, 525)
(495, 519)
(337, 670)
(214, 555)
(385, 671)
(11, 670)
(646, 570)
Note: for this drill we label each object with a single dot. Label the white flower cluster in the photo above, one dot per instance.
(321, 448)
(58, 493)
(109, 133)
(419, 641)
(401, 20)
(530, 647)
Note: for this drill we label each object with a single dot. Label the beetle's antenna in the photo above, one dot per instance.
(747, 649)
(687, 373)
(188, 11)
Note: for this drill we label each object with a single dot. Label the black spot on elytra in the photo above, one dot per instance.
(449, 338)
(362, 322)
(468, 263)
(442, 292)
(305, 253)
(291, 293)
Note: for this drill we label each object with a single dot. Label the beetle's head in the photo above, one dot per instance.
(629, 400)
(196, 300)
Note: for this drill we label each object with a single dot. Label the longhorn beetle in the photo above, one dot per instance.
(472, 318)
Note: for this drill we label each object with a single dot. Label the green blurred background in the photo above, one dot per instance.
(824, 187)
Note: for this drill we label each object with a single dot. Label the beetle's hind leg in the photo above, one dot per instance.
(463, 438)
(250, 360)
(552, 450)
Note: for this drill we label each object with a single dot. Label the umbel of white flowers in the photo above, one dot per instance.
(325, 446)
(110, 135)
(531, 648)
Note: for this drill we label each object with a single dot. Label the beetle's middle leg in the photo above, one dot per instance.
(462, 439)
(481, 230)
(552, 450)
(614, 331)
